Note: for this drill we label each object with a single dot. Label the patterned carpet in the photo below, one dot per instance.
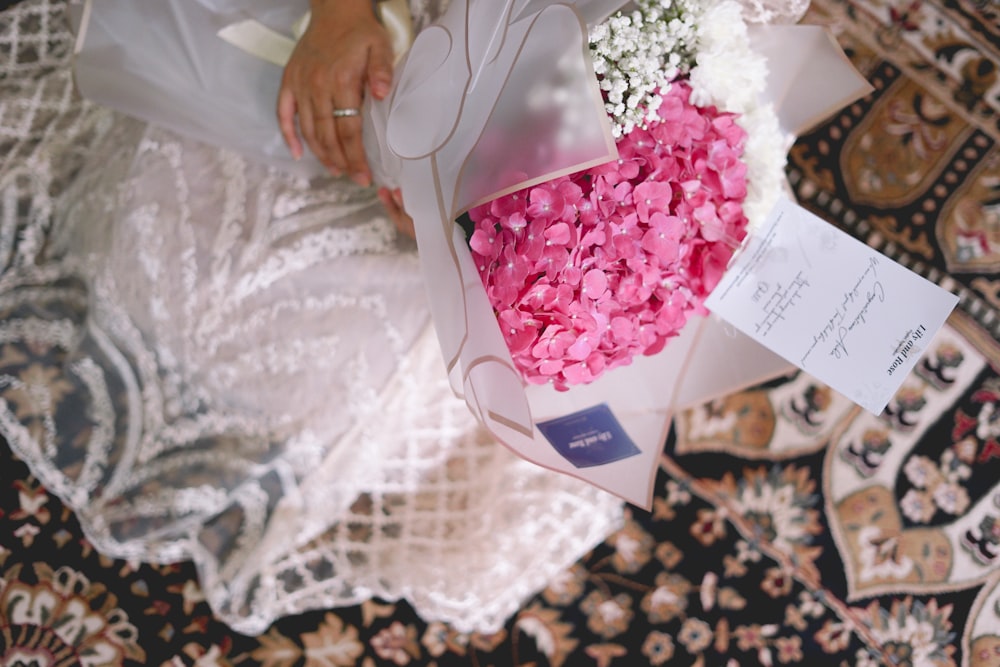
(789, 527)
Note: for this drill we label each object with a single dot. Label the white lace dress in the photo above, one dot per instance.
(213, 361)
(210, 360)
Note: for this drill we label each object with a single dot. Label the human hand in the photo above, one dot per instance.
(343, 50)
(392, 200)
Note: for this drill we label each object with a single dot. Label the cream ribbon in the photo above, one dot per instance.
(267, 44)
(84, 23)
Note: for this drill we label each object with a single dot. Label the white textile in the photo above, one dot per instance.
(211, 360)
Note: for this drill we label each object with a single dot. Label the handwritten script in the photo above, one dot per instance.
(849, 315)
(776, 300)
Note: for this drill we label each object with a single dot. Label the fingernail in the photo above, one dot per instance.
(361, 179)
(380, 88)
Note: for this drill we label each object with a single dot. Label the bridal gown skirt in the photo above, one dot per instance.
(209, 360)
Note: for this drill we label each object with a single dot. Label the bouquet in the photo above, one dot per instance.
(587, 271)
(597, 242)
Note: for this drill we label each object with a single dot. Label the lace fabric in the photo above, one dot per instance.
(210, 360)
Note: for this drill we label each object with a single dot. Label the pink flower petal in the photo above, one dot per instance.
(588, 271)
(595, 283)
(558, 234)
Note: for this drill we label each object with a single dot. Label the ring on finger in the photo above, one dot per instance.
(346, 113)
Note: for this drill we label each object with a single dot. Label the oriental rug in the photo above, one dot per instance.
(789, 527)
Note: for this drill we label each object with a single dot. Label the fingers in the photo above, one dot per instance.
(286, 121)
(337, 141)
(349, 133)
(308, 117)
(380, 72)
(325, 143)
(393, 203)
(330, 68)
(350, 89)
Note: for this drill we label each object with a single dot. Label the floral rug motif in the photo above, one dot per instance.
(789, 526)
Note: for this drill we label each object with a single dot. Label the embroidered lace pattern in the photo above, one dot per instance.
(210, 360)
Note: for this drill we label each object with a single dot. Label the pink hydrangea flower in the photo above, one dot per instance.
(586, 272)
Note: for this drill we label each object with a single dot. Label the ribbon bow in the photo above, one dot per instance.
(267, 44)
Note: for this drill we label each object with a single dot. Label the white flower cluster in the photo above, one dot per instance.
(638, 52)
(733, 77)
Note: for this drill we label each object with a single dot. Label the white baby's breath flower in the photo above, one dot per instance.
(640, 52)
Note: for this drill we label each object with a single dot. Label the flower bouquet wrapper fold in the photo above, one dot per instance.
(499, 96)
(809, 76)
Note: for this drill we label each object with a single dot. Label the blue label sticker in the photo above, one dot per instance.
(590, 437)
